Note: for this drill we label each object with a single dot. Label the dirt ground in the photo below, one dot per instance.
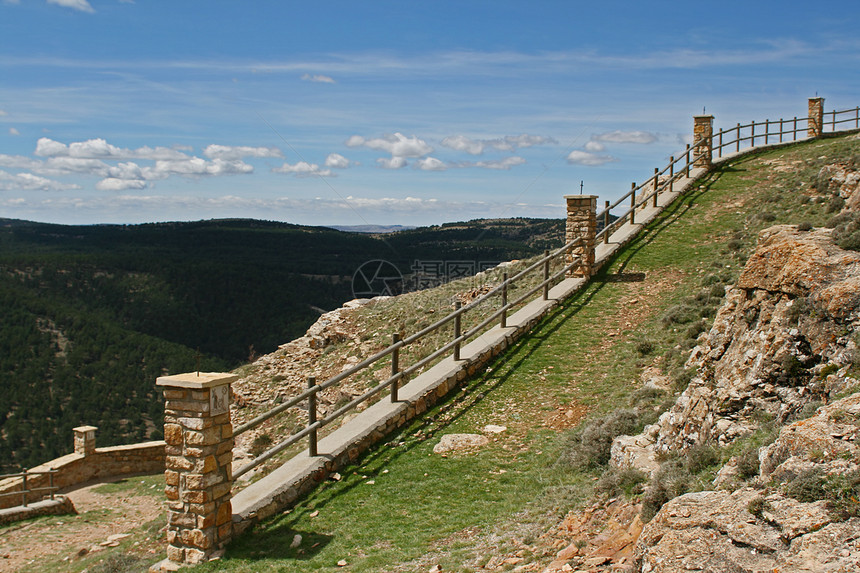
(104, 520)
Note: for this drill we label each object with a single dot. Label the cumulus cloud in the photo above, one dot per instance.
(430, 164)
(337, 161)
(81, 5)
(101, 149)
(238, 152)
(392, 163)
(505, 163)
(13, 131)
(397, 144)
(3, 113)
(578, 157)
(303, 169)
(507, 143)
(19, 162)
(115, 184)
(318, 79)
(595, 147)
(642, 137)
(30, 182)
(196, 166)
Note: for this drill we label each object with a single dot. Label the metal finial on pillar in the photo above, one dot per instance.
(581, 185)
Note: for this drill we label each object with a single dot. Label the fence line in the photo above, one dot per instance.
(398, 375)
(739, 137)
(51, 488)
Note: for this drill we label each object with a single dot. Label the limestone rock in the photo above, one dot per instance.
(715, 531)
(456, 442)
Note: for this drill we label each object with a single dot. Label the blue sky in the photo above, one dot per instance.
(384, 112)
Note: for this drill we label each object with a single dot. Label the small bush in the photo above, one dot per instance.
(807, 487)
(835, 204)
(644, 347)
(701, 458)
(678, 314)
(260, 444)
(804, 226)
(748, 463)
(757, 506)
(120, 563)
(767, 216)
(591, 447)
(615, 482)
(671, 480)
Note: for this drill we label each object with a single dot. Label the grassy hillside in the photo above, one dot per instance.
(562, 393)
(91, 315)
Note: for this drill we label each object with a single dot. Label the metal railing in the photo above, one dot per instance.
(24, 491)
(399, 374)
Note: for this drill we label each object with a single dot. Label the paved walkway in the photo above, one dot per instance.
(283, 486)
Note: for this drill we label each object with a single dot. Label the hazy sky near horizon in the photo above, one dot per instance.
(384, 112)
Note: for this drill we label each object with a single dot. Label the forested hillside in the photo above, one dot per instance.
(91, 315)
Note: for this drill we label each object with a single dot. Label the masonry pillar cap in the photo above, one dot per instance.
(581, 196)
(816, 98)
(83, 429)
(196, 380)
(703, 117)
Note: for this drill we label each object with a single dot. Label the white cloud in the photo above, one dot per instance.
(13, 131)
(397, 144)
(625, 137)
(505, 163)
(3, 113)
(318, 79)
(19, 162)
(114, 184)
(101, 149)
(303, 169)
(81, 5)
(585, 158)
(393, 163)
(507, 143)
(238, 152)
(30, 182)
(66, 165)
(595, 147)
(337, 161)
(430, 164)
(197, 166)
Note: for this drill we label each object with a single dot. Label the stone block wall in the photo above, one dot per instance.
(88, 463)
(816, 117)
(198, 465)
(581, 223)
(703, 131)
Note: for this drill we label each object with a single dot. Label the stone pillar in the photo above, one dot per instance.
(85, 439)
(198, 474)
(703, 131)
(581, 222)
(815, 127)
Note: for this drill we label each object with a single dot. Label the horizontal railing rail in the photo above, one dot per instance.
(850, 116)
(399, 374)
(51, 489)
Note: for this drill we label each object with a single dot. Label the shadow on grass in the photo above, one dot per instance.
(274, 541)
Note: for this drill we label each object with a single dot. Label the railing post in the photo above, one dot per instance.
(457, 329)
(720, 148)
(656, 171)
(198, 471)
(51, 481)
(24, 491)
(312, 418)
(395, 365)
(738, 140)
(633, 202)
(671, 173)
(546, 266)
(781, 126)
(582, 224)
(687, 166)
(752, 134)
(605, 225)
(766, 131)
(85, 440)
(703, 131)
(504, 322)
(794, 130)
(816, 117)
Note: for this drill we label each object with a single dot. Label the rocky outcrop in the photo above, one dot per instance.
(744, 531)
(778, 344)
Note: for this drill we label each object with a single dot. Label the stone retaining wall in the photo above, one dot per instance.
(87, 464)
